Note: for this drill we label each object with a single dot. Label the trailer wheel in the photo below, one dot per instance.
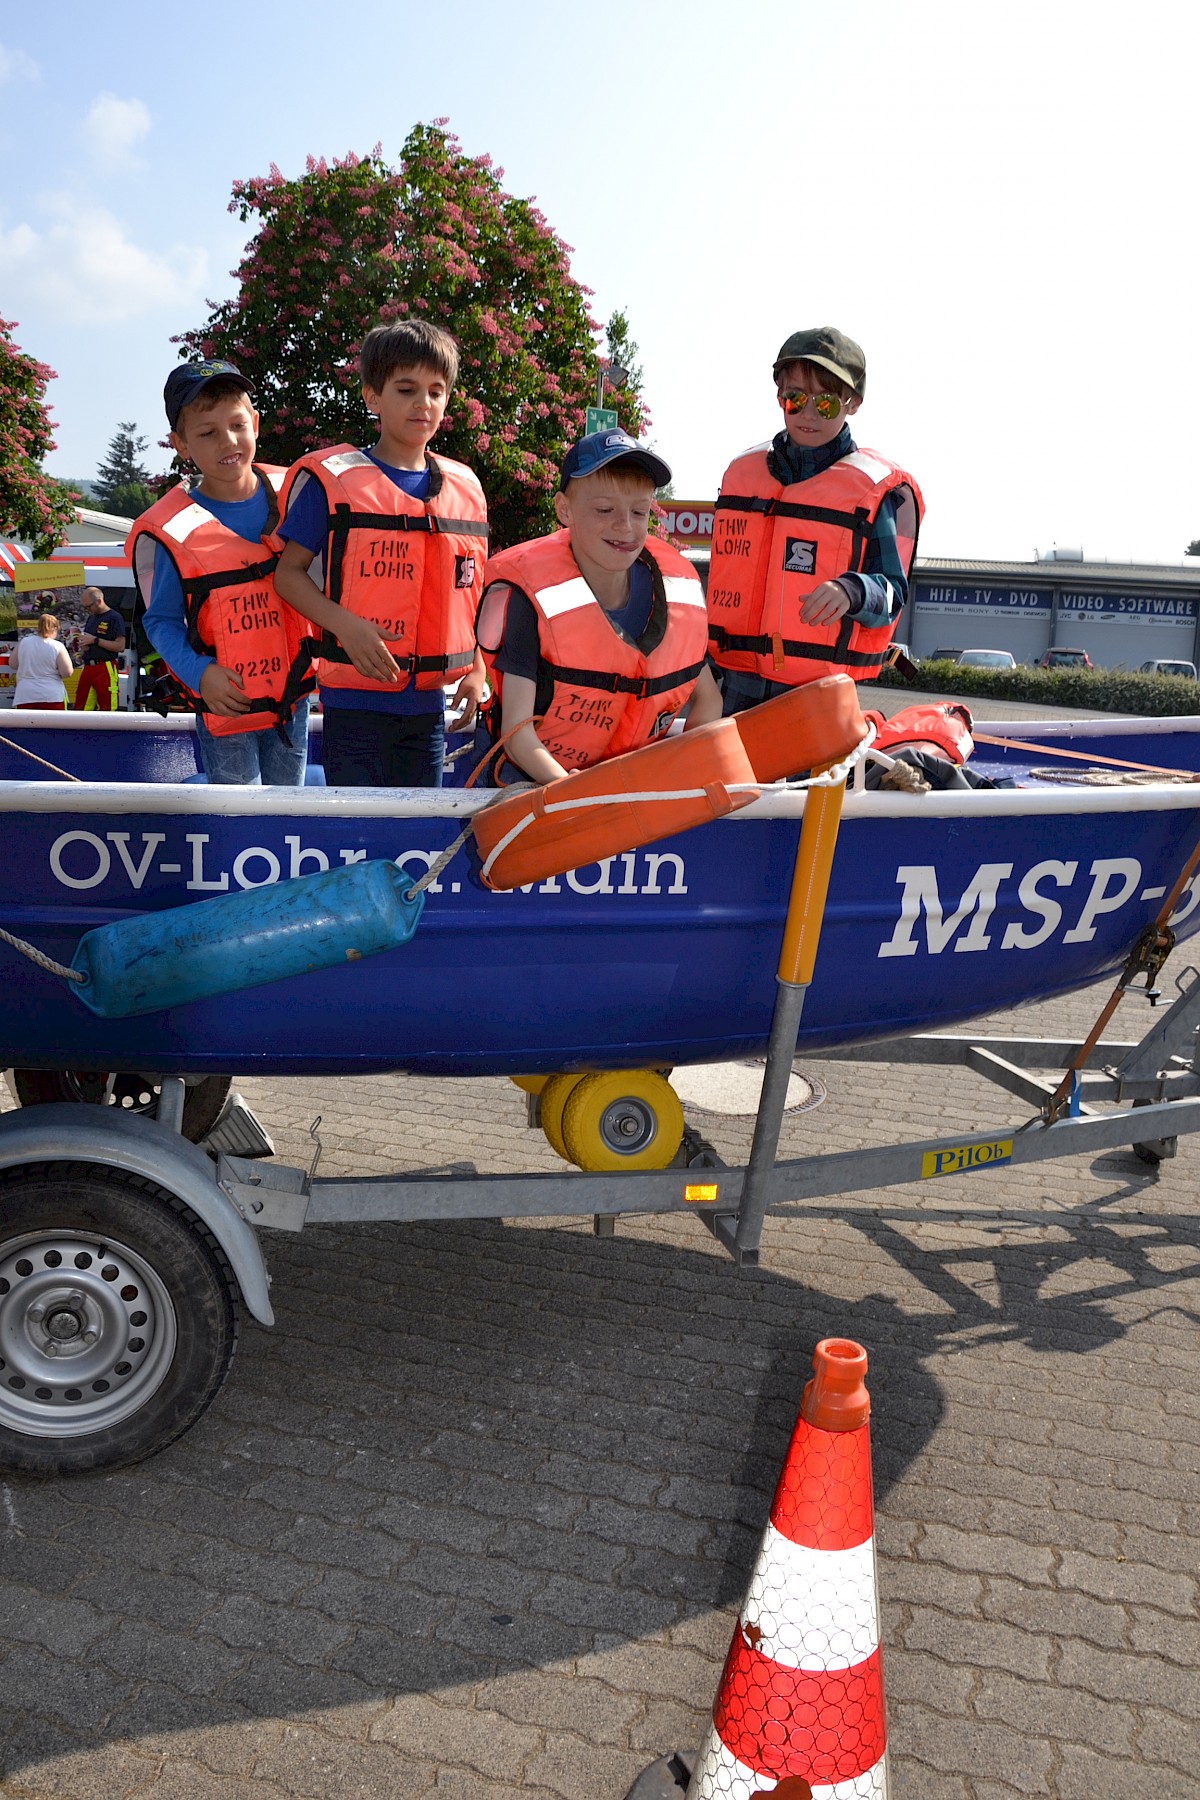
(202, 1103)
(622, 1119)
(118, 1320)
(555, 1094)
(1154, 1150)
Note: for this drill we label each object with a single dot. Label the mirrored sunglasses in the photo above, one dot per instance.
(827, 406)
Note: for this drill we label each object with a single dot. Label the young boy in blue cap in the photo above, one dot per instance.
(595, 635)
(813, 539)
(203, 560)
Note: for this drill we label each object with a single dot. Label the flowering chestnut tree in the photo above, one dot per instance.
(33, 506)
(355, 241)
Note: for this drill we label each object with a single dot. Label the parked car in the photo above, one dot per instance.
(986, 659)
(1059, 657)
(1166, 665)
(945, 655)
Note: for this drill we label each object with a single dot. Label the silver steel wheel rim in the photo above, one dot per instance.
(87, 1334)
(628, 1126)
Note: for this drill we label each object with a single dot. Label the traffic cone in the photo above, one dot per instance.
(799, 1711)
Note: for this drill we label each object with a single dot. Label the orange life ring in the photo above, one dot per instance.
(665, 787)
(617, 805)
(818, 722)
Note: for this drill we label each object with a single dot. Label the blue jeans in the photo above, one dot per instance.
(741, 691)
(256, 758)
(382, 749)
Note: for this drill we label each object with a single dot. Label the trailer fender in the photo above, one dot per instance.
(93, 1134)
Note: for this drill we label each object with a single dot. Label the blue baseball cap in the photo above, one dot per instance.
(602, 447)
(188, 381)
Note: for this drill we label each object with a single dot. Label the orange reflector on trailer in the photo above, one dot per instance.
(702, 1191)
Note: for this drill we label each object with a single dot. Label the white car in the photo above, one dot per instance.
(986, 659)
(1168, 666)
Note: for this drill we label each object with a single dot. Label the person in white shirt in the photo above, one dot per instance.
(42, 664)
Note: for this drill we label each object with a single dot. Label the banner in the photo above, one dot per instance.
(31, 575)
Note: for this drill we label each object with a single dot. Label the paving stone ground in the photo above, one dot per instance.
(475, 1518)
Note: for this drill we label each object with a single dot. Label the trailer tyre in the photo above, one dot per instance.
(622, 1119)
(118, 1319)
(555, 1094)
(1154, 1150)
(202, 1102)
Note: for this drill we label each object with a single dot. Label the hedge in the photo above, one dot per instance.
(1093, 690)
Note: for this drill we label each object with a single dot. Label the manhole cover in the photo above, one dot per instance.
(732, 1089)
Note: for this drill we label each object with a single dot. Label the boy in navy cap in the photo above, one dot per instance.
(813, 539)
(595, 636)
(203, 559)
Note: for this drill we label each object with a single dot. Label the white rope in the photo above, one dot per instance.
(441, 862)
(41, 959)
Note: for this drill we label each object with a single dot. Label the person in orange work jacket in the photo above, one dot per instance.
(813, 538)
(594, 636)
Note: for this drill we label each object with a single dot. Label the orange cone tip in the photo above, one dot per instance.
(836, 1398)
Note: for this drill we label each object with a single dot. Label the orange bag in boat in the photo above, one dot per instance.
(630, 800)
(819, 722)
(942, 727)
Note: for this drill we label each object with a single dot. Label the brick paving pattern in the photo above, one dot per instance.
(475, 1518)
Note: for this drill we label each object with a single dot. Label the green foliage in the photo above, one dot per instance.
(128, 499)
(33, 506)
(623, 353)
(1091, 690)
(436, 237)
(122, 478)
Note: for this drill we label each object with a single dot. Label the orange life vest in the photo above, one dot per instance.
(413, 567)
(773, 545)
(609, 695)
(941, 725)
(231, 609)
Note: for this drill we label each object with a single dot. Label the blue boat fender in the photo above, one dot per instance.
(235, 941)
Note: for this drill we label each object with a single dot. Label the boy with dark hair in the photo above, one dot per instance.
(595, 635)
(401, 535)
(813, 539)
(203, 559)
(102, 643)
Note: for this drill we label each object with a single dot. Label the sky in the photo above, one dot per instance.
(997, 203)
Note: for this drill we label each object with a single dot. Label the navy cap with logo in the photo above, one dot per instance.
(829, 349)
(189, 380)
(602, 447)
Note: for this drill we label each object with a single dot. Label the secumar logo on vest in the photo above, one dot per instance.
(799, 556)
(464, 571)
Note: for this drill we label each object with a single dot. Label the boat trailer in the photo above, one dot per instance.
(125, 1249)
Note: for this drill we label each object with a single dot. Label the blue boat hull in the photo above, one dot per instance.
(941, 908)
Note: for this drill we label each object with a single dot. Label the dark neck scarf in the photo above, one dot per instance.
(790, 463)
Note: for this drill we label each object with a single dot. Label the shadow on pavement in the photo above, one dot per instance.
(471, 1449)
